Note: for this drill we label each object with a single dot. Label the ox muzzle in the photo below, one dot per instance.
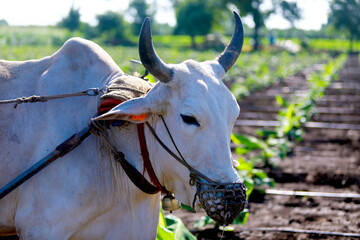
(222, 202)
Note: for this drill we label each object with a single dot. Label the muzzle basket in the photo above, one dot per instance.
(222, 202)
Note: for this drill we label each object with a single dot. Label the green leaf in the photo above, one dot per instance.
(175, 225)
(241, 151)
(242, 217)
(245, 165)
(151, 78)
(234, 139)
(290, 111)
(162, 232)
(281, 101)
(162, 219)
(265, 133)
(260, 173)
(203, 221)
(249, 184)
(247, 141)
(186, 207)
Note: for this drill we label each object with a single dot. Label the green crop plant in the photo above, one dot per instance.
(252, 177)
(276, 144)
(256, 70)
(172, 228)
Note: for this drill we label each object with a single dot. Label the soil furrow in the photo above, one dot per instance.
(327, 160)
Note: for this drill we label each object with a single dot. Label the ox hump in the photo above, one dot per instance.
(85, 52)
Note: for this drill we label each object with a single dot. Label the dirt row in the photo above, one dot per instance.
(327, 160)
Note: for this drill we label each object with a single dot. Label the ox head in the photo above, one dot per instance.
(200, 113)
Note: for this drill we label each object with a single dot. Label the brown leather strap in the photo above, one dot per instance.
(135, 176)
(146, 159)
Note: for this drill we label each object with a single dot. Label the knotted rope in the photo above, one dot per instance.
(34, 98)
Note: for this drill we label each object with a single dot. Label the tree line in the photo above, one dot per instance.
(199, 18)
(193, 17)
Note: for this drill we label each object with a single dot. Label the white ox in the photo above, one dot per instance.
(86, 194)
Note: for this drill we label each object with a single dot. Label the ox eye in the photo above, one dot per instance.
(190, 120)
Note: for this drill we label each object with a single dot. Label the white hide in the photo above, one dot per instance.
(85, 194)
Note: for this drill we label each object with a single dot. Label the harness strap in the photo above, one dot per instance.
(135, 176)
(194, 174)
(146, 159)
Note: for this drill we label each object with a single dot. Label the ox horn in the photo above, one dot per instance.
(229, 56)
(148, 56)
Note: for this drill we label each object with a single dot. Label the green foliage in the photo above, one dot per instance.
(290, 11)
(12, 37)
(330, 45)
(276, 144)
(171, 227)
(252, 177)
(19, 53)
(175, 225)
(253, 8)
(206, 220)
(194, 17)
(112, 27)
(3, 22)
(249, 143)
(140, 10)
(162, 232)
(203, 221)
(261, 69)
(72, 21)
(345, 16)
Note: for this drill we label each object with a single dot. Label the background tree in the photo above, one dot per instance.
(3, 22)
(72, 20)
(194, 18)
(345, 16)
(252, 8)
(112, 28)
(139, 9)
(290, 12)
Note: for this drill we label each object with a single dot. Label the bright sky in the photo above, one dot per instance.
(49, 12)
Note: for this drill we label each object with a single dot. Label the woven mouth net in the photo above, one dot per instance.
(222, 202)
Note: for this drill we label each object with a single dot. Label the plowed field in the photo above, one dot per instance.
(327, 160)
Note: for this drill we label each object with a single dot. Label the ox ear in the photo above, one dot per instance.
(137, 110)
